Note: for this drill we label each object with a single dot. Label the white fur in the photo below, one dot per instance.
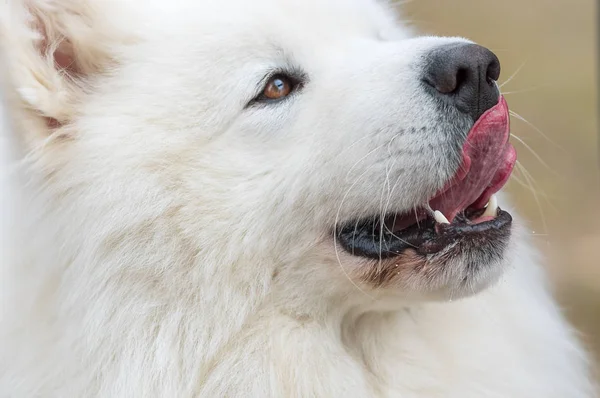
(170, 242)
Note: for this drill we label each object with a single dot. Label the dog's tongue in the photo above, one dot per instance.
(488, 160)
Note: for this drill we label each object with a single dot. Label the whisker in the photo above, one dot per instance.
(531, 189)
(525, 90)
(535, 196)
(335, 230)
(523, 184)
(363, 158)
(513, 177)
(383, 208)
(390, 194)
(527, 174)
(416, 216)
(535, 154)
(512, 76)
(356, 142)
(537, 130)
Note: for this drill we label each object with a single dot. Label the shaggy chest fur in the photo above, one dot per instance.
(497, 344)
(177, 174)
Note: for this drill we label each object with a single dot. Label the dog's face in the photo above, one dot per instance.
(304, 140)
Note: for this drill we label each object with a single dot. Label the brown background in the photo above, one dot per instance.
(550, 46)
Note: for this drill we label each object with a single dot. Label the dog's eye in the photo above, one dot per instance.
(278, 87)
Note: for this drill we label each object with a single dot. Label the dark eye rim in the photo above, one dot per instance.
(296, 78)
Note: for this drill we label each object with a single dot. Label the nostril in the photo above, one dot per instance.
(493, 70)
(444, 83)
(462, 75)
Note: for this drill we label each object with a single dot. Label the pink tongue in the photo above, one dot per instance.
(488, 160)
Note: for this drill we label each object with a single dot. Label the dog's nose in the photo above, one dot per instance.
(464, 75)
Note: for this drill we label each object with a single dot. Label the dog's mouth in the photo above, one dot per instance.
(465, 211)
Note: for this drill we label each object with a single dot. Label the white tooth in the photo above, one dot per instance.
(492, 208)
(440, 218)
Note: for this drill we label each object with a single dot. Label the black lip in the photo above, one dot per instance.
(366, 238)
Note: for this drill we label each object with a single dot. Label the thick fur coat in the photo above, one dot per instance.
(165, 236)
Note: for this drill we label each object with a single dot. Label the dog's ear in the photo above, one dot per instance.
(54, 49)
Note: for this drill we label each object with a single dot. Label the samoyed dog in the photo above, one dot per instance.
(267, 198)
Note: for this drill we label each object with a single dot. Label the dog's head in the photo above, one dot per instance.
(284, 145)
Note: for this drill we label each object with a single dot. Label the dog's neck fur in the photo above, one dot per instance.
(188, 316)
(107, 300)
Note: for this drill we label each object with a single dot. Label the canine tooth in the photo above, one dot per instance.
(440, 217)
(492, 208)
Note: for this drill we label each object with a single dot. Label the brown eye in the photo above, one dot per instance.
(278, 87)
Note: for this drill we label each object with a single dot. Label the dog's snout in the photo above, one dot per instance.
(464, 75)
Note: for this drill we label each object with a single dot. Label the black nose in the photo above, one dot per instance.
(464, 75)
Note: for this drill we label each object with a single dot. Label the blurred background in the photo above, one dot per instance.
(548, 52)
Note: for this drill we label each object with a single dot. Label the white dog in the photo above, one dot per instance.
(267, 198)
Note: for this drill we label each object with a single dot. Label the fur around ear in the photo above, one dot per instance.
(53, 48)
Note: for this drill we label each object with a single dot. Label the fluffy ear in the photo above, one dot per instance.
(54, 49)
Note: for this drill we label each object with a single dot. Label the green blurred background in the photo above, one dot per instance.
(549, 48)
